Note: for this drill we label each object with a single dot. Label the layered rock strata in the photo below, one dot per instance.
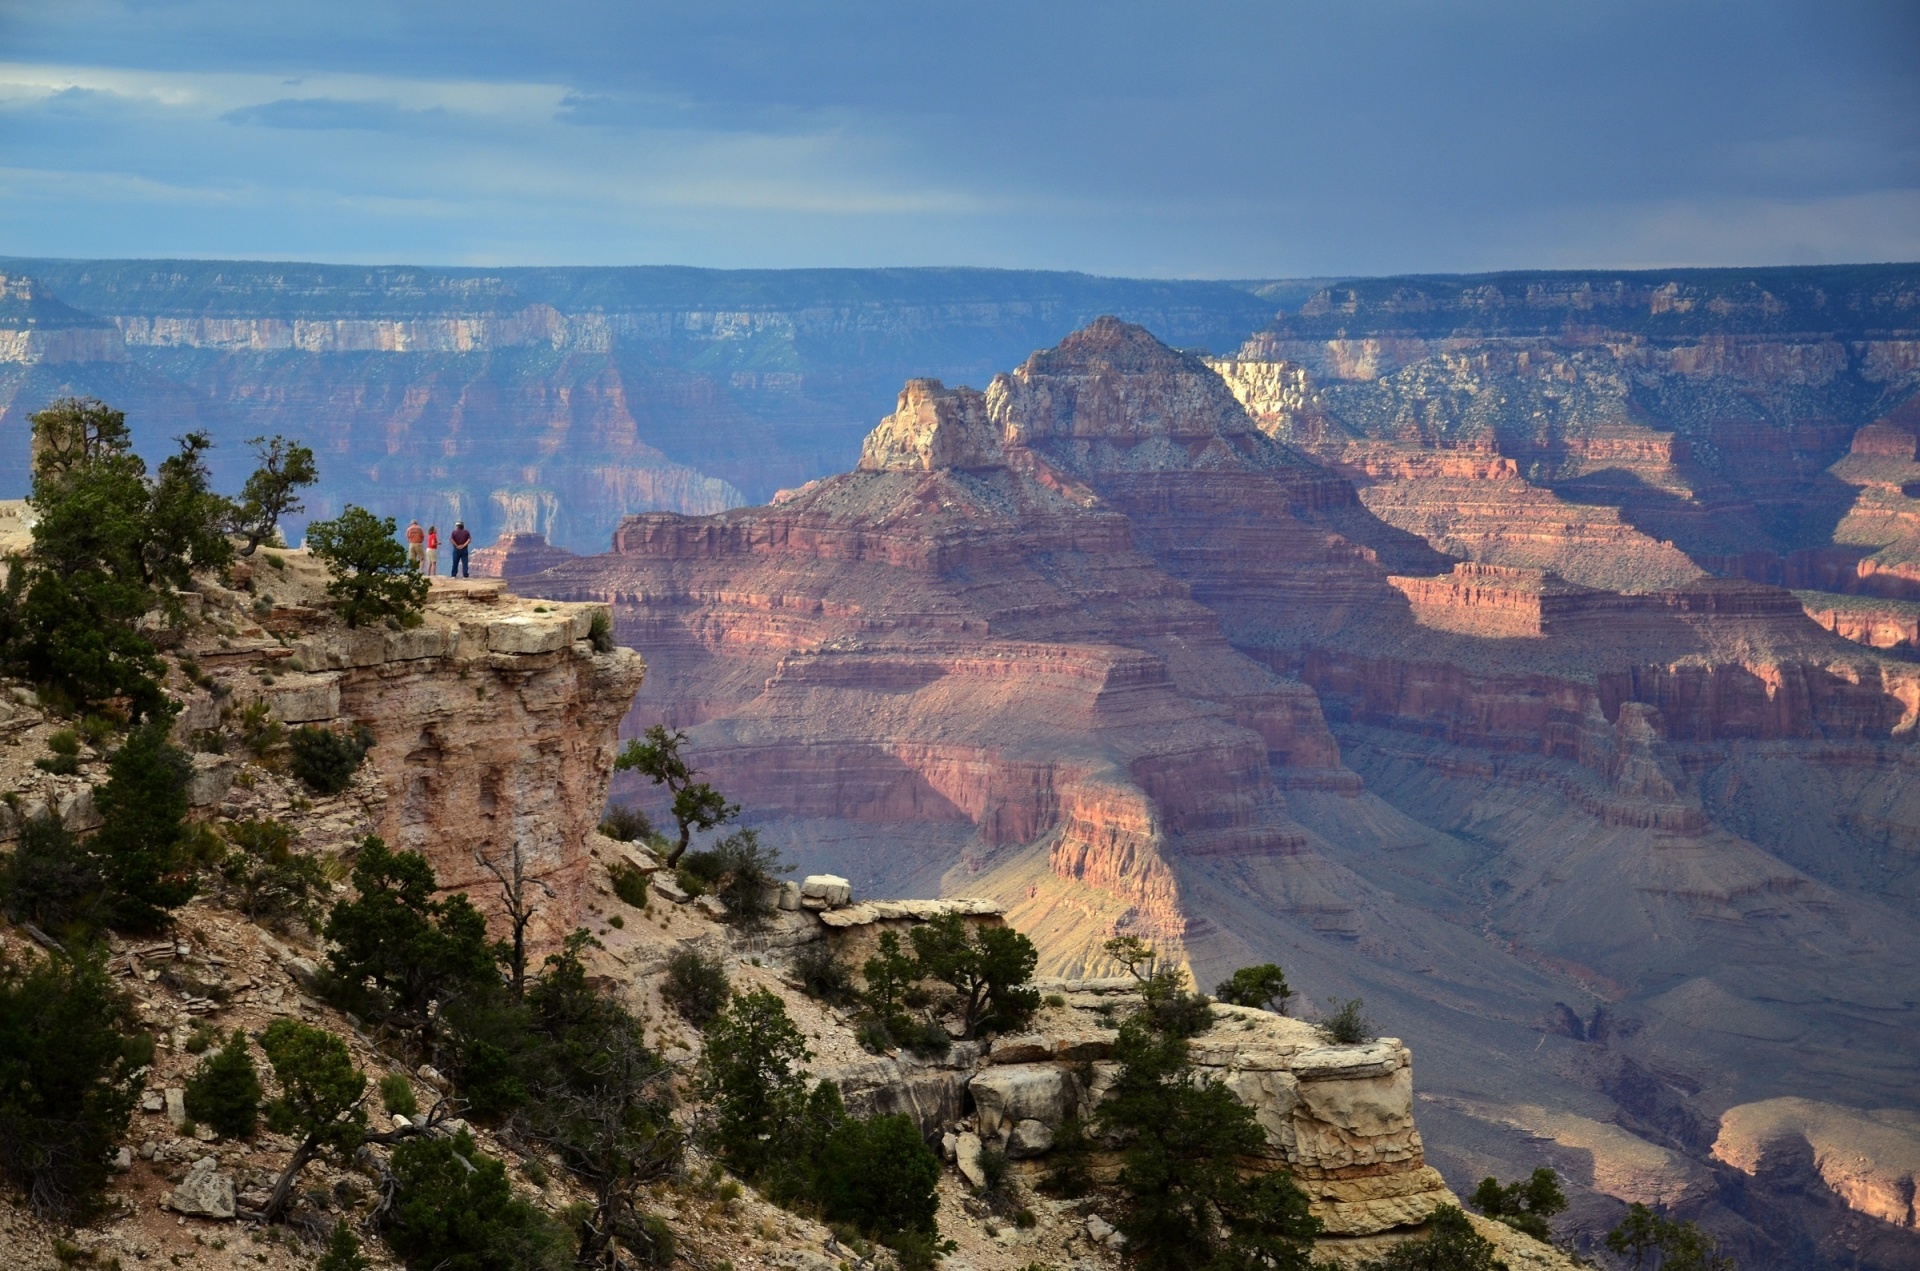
(1084, 642)
(493, 721)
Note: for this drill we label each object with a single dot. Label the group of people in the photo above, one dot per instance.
(423, 548)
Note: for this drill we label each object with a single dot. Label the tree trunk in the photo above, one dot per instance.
(278, 1201)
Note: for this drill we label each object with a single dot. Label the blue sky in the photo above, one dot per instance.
(1169, 139)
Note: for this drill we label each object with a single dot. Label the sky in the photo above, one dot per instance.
(1180, 139)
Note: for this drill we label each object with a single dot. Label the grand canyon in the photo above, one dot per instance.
(1531, 656)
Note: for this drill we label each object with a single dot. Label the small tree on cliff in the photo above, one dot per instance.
(517, 900)
(1650, 1239)
(372, 577)
(988, 968)
(273, 491)
(696, 805)
(1189, 1204)
(1524, 1206)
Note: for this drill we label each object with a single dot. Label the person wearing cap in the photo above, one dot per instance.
(461, 540)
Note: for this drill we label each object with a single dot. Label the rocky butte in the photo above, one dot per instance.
(1626, 839)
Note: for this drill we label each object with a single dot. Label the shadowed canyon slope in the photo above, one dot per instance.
(1100, 643)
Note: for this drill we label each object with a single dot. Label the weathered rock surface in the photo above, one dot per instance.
(1871, 1160)
(206, 1191)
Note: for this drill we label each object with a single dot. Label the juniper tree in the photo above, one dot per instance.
(319, 1104)
(696, 805)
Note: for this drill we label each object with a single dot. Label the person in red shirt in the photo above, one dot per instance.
(433, 550)
(460, 540)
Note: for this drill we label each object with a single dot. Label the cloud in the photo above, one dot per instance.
(1225, 138)
(314, 113)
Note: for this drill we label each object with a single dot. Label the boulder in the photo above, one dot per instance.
(966, 1158)
(830, 888)
(664, 884)
(1009, 1093)
(212, 778)
(176, 1098)
(304, 699)
(1020, 1048)
(1029, 1138)
(530, 633)
(205, 1192)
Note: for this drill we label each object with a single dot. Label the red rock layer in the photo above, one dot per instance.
(1070, 612)
(923, 640)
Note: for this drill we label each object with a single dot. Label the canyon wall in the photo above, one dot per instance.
(1103, 644)
(550, 401)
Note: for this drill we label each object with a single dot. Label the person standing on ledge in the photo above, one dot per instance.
(433, 550)
(460, 540)
(416, 544)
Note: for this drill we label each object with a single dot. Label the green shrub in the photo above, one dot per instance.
(53, 879)
(696, 987)
(319, 1104)
(264, 878)
(64, 742)
(397, 947)
(1451, 1244)
(143, 846)
(1524, 1206)
(343, 1248)
(878, 1173)
(748, 1073)
(454, 1210)
(629, 883)
(1264, 986)
(97, 730)
(372, 577)
(1676, 1246)
(989, 968)
(224, 1091)
(1188, 1204)
(824, 976)
(625, 824)
(59, 765)
(874, 1036)
(1069, 1175)
(71, 1056)
(1347, 1025)
(1172, 1008)
(397, 1097)
(260, 732)
(325, 760)
(993, 1167)
(600, 632)
(202, 1038)
(741, 873)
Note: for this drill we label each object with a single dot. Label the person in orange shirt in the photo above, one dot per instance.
(433, 550)
(416, 544)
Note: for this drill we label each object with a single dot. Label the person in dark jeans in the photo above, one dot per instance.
(460, 539)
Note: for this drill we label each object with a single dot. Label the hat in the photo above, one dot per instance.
(459, 525)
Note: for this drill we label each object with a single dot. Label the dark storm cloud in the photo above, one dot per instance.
(1224, 139)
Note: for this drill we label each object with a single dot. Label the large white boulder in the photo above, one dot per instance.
(1007, 1094)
